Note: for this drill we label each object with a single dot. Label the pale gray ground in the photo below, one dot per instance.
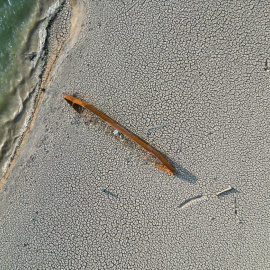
(59, 29)
(197, 67)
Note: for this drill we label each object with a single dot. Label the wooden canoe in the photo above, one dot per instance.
(165, 164)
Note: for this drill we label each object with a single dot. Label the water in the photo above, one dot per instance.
(22, 35)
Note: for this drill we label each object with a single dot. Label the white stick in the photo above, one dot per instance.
(223, 191)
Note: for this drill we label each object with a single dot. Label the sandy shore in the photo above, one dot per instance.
(24, 72)
(68, 15)
(199, 69)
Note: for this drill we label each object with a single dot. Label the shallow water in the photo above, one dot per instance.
(22, 35)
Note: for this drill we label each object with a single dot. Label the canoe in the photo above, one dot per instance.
(164, 163)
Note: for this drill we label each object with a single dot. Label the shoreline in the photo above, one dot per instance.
(47, 69)
(77, 197)
(21, 78)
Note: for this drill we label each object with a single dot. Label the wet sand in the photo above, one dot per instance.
(21, 78)
(53, 46)
(198, 70)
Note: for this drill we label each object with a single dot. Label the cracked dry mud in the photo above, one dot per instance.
(196, 67)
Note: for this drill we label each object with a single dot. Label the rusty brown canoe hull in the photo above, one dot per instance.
(76, 103)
